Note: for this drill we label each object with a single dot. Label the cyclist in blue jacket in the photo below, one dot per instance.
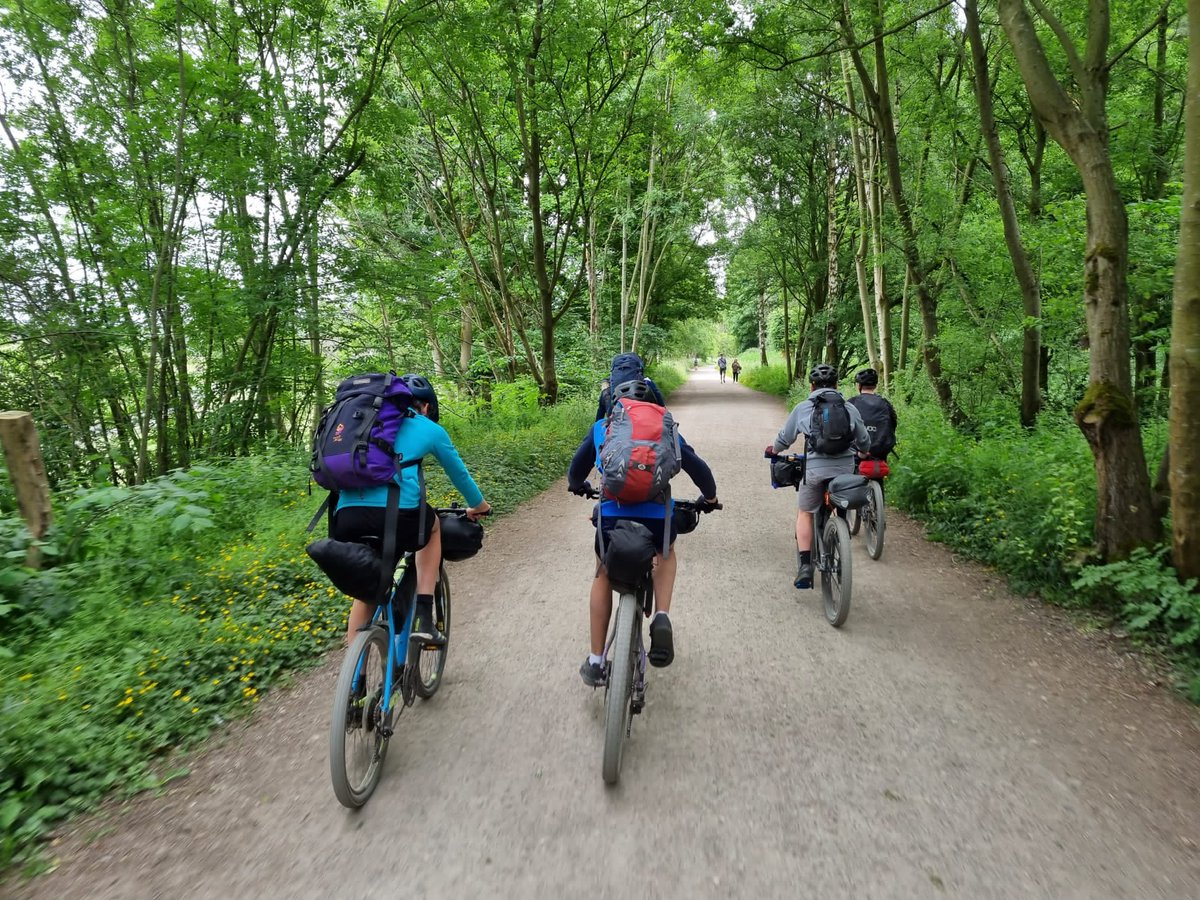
(360, 512)
(655, 515)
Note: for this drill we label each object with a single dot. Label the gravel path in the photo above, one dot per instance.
(951, 739)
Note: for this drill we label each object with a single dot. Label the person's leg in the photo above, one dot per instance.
(809, 497)
(662, 640)
(429, 562)
(804, 530)
(600, 605)
(664, 581)
(360, 616)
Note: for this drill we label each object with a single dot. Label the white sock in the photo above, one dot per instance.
(595, 660)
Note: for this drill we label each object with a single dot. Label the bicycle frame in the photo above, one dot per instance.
(397, 640)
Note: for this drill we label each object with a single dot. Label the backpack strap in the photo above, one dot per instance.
(391, 518)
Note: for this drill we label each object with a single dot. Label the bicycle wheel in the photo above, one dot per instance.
(619, 689)
(356, 748)
(836, 572)
(432, 660)
(876, 521)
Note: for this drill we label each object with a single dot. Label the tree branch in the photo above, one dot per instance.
(1064, 39)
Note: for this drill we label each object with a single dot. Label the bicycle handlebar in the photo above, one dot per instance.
(699, 505)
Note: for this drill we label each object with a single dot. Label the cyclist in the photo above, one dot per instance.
(819, 468)
(877, 414)
(359, 516)
(656, 516)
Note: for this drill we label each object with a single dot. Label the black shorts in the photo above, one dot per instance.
(655, 526)
(364, 524)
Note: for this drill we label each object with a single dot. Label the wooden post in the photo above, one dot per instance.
(23, 455)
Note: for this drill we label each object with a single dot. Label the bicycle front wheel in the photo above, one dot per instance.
(619, 690)
(876, 521)
(836, 572)
(356, 747)
(431, 661)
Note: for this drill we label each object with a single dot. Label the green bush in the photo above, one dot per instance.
(771, 379)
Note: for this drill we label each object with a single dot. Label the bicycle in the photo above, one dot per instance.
(625, 669)
(831, 533)
(872, 516)
(381, 676)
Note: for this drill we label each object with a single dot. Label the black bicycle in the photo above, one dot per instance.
(385, 669)
(831, 532)
(873, 516)
(625, 654)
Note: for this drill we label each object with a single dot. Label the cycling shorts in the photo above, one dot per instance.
(365, 524)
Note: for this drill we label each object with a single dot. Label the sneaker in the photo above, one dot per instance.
(804, 576)
(662, 641)
(592, 673)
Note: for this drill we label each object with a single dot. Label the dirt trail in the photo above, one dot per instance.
(949, 740)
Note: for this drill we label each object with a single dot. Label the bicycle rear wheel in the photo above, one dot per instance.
(432, 660)
(356, 747)
(835, 571)
(876, 521)
(619, 689)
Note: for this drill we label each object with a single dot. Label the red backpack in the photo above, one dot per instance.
(640, 454)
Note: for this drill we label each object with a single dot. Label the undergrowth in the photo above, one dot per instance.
(168, 608)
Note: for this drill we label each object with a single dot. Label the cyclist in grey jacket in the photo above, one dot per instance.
(819, 468)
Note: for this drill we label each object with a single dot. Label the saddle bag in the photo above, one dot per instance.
(848, 491)
(628, 554)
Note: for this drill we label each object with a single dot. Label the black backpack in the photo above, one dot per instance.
(877, 415)
(830, 432)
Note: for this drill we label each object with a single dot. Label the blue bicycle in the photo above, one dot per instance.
(385, 669)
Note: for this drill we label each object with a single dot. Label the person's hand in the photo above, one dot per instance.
(476, 512)
(707, 504)
(770, 451)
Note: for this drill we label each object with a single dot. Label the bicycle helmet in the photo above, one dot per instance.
(634, 390)
(423, 391)
(868, 377)
(824, 376)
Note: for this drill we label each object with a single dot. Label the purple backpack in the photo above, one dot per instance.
(354, 444)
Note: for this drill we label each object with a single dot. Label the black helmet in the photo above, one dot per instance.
(423, 391)
(823, 376)
(869, 377)
(634, 390)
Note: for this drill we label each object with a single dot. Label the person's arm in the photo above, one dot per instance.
(446, 454)
(698, 470)
(793, 427)
(582, 462)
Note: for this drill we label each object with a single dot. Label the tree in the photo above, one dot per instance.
(1185, 337)
(1106, 415)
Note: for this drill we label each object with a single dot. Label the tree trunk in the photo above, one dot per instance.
(1030, 293)
(833, 288)
(1106, 415)
(1184, 440)
(864, 226)
(883, 313)
(762, 324)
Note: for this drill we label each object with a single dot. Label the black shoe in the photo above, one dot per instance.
(425, 629)
(592, 673)
(662, 642)
(804, 576)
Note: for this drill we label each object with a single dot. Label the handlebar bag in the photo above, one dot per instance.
(786, 472)
(461, 538)
(848, 491)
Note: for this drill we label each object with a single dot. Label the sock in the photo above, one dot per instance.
(662, 612)
(595, 660)
(425, 606)
(805, 557)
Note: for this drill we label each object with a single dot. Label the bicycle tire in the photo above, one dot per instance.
(854, 520)
(353, 725)
(431, 662)
(618, 692)
(876, 521)
(836, 574)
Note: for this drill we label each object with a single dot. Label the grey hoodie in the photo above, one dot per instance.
(817, 463)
